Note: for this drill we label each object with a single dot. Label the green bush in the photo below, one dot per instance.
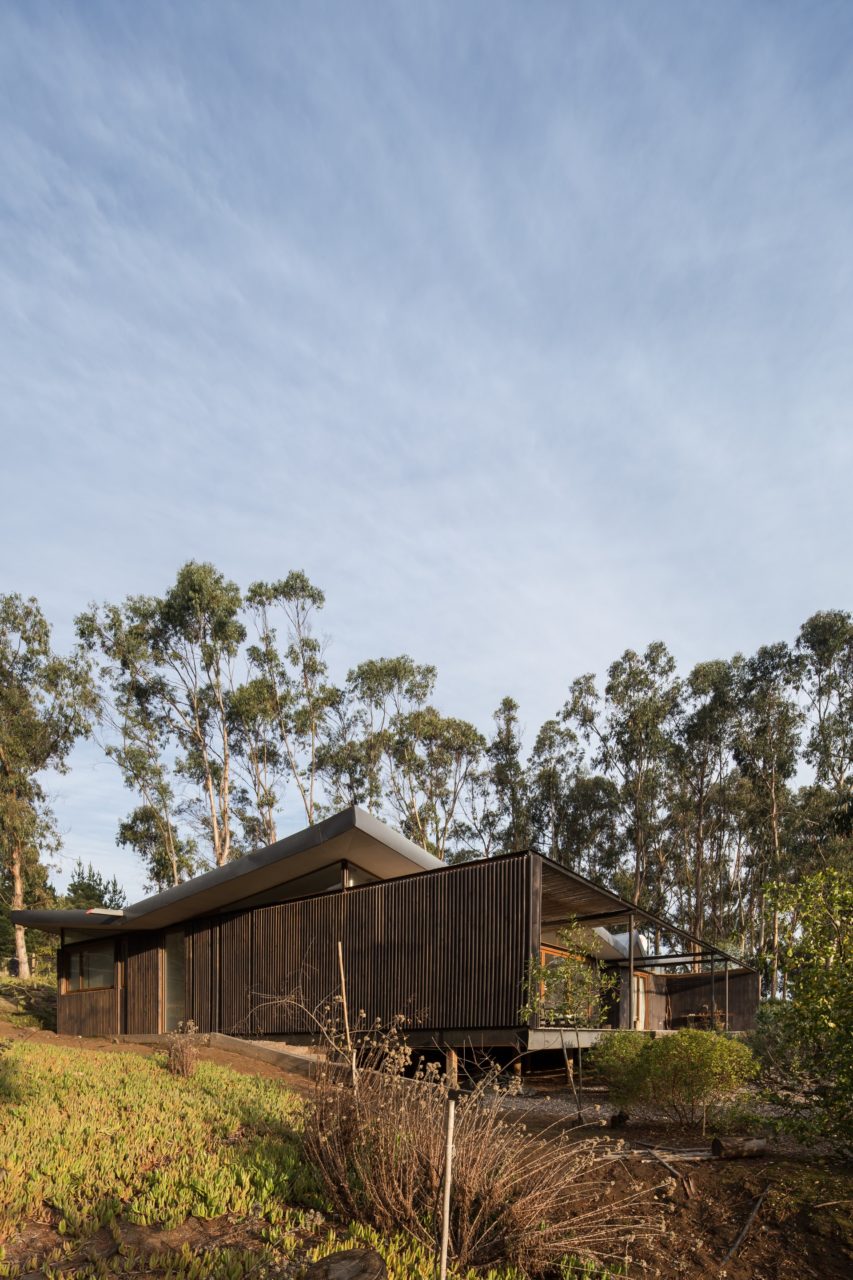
(680, 1074)
(620, 1058)
(692, 1070)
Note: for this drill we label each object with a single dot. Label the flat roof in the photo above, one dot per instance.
(352, 835)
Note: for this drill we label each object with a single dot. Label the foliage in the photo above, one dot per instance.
(102, 1135)
(681, 1074)
(620, 1057)
(46, 702)
(517, 1199)
(804, 1045)
(88, 888)
(692, 1070)
(570, 989)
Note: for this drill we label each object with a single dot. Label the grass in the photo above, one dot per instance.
(90, 1141)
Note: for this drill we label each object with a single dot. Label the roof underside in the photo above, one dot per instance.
(567, 896)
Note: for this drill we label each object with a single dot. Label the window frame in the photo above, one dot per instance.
(79, 949)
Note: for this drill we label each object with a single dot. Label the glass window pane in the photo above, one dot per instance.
(96, 965)
(175, 980)
(74, 971)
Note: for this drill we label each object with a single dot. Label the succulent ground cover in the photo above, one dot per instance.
(110, 1165)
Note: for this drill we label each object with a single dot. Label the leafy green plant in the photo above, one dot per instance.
(620, 1057)
(569, 988)
(99, 1136)
(803, 1045)
(681, 1074)
(692, 1070)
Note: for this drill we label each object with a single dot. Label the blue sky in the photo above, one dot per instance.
(524, 329)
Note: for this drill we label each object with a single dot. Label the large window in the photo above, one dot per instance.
(176, 974)
(91, 967)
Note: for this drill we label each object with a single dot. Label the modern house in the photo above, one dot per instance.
(247, 948)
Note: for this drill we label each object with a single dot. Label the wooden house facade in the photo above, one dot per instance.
(251, 949)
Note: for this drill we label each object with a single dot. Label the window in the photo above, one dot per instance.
(176, 972)
(91, 968)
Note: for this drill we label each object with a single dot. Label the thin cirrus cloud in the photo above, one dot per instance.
(525, 331)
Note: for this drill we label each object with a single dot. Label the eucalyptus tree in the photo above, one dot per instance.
(824, 653)
(430, 761)
(766, 739)
(293, 698)
(629, 732)
(574, 813)
(167, 666)
(390, 749)
(358, 755)
(699, 762)
(46, 705)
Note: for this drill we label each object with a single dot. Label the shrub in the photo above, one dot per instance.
(517, 1200)
(692, 1070)
(182, 1050)
(681, 1074)
(620, 1057)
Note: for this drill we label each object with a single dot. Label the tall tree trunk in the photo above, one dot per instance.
(17, 905)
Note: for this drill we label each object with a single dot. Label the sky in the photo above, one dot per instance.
(524, 329)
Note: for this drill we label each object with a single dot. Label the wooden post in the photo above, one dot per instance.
(630, 1009)
(350, 1049)
(452, 1097)
(451, 1067)
(726, 986)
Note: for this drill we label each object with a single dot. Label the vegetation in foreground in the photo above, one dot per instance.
(95, 1144)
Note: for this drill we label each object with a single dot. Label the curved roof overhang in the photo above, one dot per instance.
(351, 836)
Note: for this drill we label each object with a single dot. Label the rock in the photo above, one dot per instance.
(350, 1264)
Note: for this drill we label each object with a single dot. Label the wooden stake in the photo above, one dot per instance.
(452, 1095)
(350, 1049)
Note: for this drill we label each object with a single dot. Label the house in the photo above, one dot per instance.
(251, 948)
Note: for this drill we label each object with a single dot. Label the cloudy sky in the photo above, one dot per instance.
(525, 329)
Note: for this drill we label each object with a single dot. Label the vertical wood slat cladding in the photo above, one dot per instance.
(88, 1013)
(235, 949)
(142, 984)
(446, 950)
(204, 975)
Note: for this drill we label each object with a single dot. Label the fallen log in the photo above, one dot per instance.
(738, 1148)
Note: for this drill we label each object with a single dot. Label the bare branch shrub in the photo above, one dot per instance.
(182, 1049)
(518, 1199)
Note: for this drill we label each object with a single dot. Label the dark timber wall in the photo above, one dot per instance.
(448, 950)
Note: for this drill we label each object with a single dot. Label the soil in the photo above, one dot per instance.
(804, 1229)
